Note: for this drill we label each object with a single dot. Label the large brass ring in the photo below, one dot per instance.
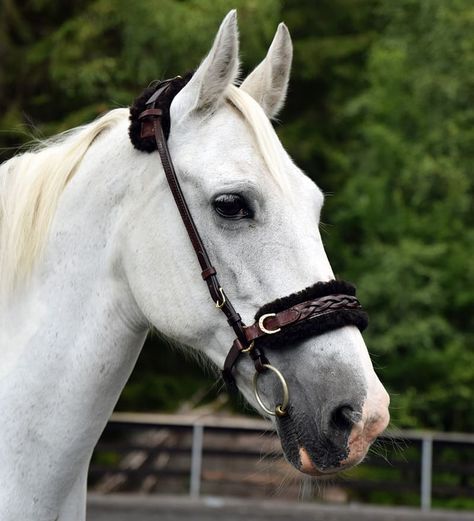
(280, 410)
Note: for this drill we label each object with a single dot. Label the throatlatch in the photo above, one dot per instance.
(322, 307)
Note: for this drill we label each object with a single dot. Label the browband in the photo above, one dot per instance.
(165, 91)
(322, 307)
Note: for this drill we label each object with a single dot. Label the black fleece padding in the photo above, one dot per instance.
(321, 324)
(163, 103)
(318, 290)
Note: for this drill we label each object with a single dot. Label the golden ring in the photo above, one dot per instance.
(280, 410)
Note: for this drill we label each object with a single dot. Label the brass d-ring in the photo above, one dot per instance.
(220, 305)
(262, 319)
(249, 348)
(280, 410)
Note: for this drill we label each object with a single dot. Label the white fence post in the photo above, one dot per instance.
(426, 471)
(196, 461)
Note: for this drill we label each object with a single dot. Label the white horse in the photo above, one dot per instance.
(93, 253)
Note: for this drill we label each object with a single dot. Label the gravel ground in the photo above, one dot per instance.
(179, 508)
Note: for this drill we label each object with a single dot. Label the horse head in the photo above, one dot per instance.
(258, 216)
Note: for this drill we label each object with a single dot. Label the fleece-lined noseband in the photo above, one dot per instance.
(322, 307)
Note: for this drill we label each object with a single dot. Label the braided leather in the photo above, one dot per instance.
(290, 319)
(308, 310)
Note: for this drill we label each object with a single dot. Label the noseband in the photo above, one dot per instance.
(315, 310)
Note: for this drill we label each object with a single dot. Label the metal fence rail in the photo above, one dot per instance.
(213, 455)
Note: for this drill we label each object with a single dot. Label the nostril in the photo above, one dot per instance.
(344, 417)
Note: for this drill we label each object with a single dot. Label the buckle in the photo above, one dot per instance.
(262, 319)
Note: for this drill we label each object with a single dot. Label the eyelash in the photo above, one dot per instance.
(232, 206)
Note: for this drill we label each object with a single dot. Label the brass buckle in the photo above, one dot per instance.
(249, 348)
(220, 305)
(262, 319)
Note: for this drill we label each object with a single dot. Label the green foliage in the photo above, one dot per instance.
(159, 392)
(380, 113)
(405, 211)
(63, 64)
(331, 38)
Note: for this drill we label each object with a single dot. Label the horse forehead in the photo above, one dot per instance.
(223, 137)
(224, 147)
(232, 157)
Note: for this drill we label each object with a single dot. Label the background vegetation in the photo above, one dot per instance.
(380, 113)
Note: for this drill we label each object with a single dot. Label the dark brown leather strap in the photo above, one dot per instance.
(151, 120)
(300, 312)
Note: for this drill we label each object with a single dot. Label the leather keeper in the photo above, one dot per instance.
(235, 318)
(259, 359)
(208, 272)
(147, 129)
(150, 112)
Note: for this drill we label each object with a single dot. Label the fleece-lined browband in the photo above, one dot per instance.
(322, 307)
(165, 91)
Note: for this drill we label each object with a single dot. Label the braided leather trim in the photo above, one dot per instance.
(308, 310)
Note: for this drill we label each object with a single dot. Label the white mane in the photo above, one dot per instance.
(32, 183)
(30, 187)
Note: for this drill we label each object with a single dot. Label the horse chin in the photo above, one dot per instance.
(319, 455)
(308, 466)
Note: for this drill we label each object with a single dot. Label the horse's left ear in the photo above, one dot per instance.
(268, 83)
(207, 87)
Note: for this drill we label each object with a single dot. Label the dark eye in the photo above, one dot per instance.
(232, 206)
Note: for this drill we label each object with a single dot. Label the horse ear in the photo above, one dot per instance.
(206, 88)
(268, 83)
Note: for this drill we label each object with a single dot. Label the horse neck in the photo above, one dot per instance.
(68, 344)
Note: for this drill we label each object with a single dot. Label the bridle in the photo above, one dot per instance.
(315, 310)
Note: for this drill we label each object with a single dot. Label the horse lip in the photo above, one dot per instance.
(310, 468)
(293, 442)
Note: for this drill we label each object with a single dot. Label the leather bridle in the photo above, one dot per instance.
(312, 311)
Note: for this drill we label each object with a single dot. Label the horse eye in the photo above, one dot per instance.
(232, 206)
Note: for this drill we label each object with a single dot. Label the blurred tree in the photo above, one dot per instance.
(331, 40)
(64, 63)
(404, 217)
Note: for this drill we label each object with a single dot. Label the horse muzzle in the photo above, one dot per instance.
(328, 446)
